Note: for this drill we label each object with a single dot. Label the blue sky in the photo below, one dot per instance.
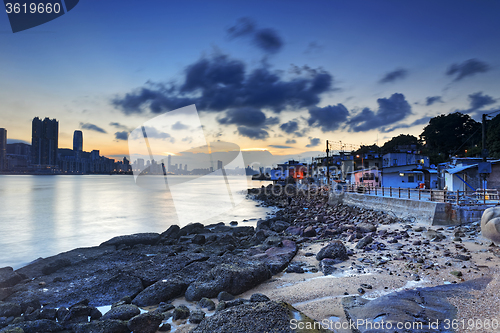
(280, 75)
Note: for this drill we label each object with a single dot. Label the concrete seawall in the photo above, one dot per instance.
(433, 213)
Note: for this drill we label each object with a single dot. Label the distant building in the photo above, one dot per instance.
(78, 141)
(219, 164)
(18, 156)
(44, 142)
(169, 163)
(3, 148)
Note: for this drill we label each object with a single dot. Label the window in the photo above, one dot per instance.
(419, 178)
(395, 161)
(411, 178)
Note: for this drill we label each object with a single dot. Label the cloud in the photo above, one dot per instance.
(478, 101)
(153, 133)
(397, 74)
(92, 127)
(313, 142)
(179, 126)
(390, 110)
(267, 40)
(420, 121)
(219, 83)
(467, 68)
(328, 118)
(280, 146)
(314, 47)
(119, 126)
(249, 117)
(253, 133)
(290, 127)
(290, 141)
(121, 135)
(433, 99)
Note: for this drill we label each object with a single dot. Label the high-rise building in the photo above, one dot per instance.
(77, 141)
(3, 148)
(44, 142)
(219, 164)
(169, 163)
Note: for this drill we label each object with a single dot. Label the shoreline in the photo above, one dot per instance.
(399, 257)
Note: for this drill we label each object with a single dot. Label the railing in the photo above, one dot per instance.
(459, 198)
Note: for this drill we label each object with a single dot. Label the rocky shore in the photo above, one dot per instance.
(334, 264)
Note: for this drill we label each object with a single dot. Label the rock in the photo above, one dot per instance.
(256, 317)
(171, 233)
(365, 227)
(165, 327)
(198, 239)
(224, 296)
(9, 278)
(11, 329)
(47, 313)
(145, 323)
(161, 291)
(149, 238)
(164, 307)
(55, 266)
(309, 232)
(234, 278)
(273, 241)
(490, 224)
(207, 303)
(196, 317)
(327, 266)
(10, 309)
(122, 312)
(334, 250)
(181, 312)
(192, 228)
(279, 226)
(258, 297)
(295, 267)
(456, 273)
(102, 326)
(364, 242)
(41, 325)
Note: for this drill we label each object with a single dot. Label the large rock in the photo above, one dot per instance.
(145, 323)
(10, 309)
(161, 291)
(234, 278)
(122, 312)
(9, 278)
(335, 250)
(131, 240)
(102, 326)
(490, 224)
(257, 317)
(41, 325)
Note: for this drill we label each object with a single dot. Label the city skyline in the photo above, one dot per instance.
(282, 77)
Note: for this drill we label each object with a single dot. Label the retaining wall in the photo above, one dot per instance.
(433, 213)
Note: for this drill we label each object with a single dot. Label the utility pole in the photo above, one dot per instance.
(327, 164)
(484, 151)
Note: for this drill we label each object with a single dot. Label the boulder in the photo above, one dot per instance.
(10, 309)
(149, 238)
(181, 312)
(490, 224)
(122, 312)
(41, 325)
(102, 326)
(161, 291)
(9, 278)
(364, 242)
(334, 250)
(145, 323)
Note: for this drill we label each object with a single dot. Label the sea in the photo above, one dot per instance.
(43, 215)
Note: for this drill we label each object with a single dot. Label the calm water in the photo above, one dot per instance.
(45, 215)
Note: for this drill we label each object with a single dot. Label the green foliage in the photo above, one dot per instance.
(402, 141)
(493, 137)
(451, 134)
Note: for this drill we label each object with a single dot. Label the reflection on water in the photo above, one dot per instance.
(44, 215)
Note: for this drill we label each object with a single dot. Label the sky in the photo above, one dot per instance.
(281, 76)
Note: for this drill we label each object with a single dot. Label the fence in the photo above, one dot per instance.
(459, 198)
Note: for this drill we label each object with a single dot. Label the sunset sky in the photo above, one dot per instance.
(278, 75)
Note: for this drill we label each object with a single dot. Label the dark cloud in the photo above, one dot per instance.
(153, 133)
(92, 127)
(433, 99)
(399, 73)
(478, 101)
(390, 110)
(290, 127)
(420, 121)
(179, 126)
(328, 118)
(280, 146)
(313, 142)
(267, 40)
(270, 121)
(249, 117)
(219, 83)
(121, 135)
(467, 68)
(118, 125)
(314, 47)
(290, 141)
(253, 133)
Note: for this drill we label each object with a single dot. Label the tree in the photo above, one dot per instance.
(450, 134)
(402, 142)
(367, 149)
(493, 137)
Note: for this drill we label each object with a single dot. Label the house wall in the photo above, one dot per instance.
(494, 178)
(395, 180)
